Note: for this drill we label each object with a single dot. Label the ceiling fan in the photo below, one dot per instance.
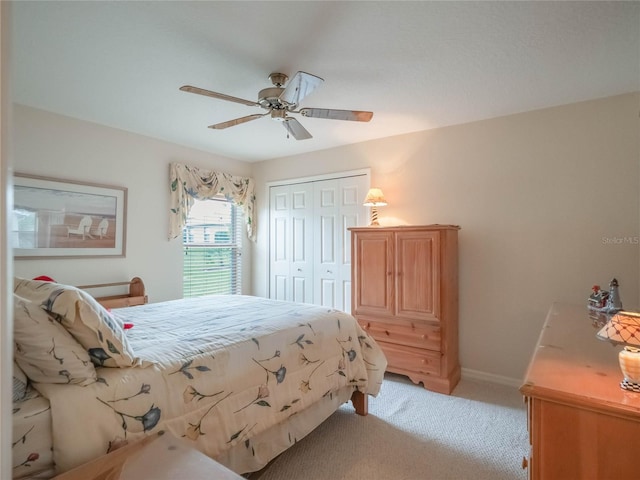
(280, 101)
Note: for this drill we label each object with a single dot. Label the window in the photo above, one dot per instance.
(212, 240)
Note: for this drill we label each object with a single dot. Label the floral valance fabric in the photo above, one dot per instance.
(189, 183)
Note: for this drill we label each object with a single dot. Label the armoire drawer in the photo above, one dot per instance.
(402, 359)
(419, 336)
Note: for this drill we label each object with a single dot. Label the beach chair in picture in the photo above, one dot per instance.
(83, 229)
(103, 226)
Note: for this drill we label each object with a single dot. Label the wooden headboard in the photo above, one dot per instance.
(136, 294)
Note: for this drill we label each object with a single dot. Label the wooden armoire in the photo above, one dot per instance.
(404, 290)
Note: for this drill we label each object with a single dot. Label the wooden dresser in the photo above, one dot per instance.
(582, 425)
(404, 293)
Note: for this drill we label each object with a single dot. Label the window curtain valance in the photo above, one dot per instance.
(189, 183)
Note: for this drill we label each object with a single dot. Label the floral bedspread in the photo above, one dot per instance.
(221, 371)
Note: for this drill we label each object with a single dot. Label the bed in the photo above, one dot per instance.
(239, 378)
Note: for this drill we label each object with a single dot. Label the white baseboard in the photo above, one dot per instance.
(490, 377)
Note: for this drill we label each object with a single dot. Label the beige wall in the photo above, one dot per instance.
(62, 147)
(547, 201)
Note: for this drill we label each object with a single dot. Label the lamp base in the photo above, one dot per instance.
(629, 358)
(374, 217)
(627, 384)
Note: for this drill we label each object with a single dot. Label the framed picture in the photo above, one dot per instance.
(56, 218)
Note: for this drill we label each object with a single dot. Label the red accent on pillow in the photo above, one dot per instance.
(44, 278)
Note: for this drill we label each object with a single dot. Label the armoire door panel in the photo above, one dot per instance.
(417, 275)
(375, 282)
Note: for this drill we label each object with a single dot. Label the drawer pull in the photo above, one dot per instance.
(386, 332)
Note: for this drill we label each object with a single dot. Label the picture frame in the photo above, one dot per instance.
(56, 218)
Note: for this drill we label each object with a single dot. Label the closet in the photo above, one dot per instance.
(309, 240)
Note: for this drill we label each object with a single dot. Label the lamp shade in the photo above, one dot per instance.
(375, 198)
(623, 329)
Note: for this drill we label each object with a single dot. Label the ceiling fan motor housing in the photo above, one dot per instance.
(270, 98)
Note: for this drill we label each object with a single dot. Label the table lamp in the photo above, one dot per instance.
(624, 329)
(374, 199)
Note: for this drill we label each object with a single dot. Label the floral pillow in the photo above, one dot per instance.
(44, 350)
(19, 383)
(89, 322)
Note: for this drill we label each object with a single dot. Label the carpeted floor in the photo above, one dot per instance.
(479, 432)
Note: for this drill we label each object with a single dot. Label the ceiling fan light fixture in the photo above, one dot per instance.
(278, 115)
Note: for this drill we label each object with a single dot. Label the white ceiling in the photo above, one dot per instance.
(416, 65)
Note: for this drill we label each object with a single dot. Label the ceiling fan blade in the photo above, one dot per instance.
(353, 115)
(295, 128)
(220, 96)
(237, 121)
(301, 85)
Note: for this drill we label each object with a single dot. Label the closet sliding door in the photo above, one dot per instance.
(291, 243)
(338, 206)
(310, 244)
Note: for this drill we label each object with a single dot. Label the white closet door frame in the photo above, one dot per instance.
(366, 172)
